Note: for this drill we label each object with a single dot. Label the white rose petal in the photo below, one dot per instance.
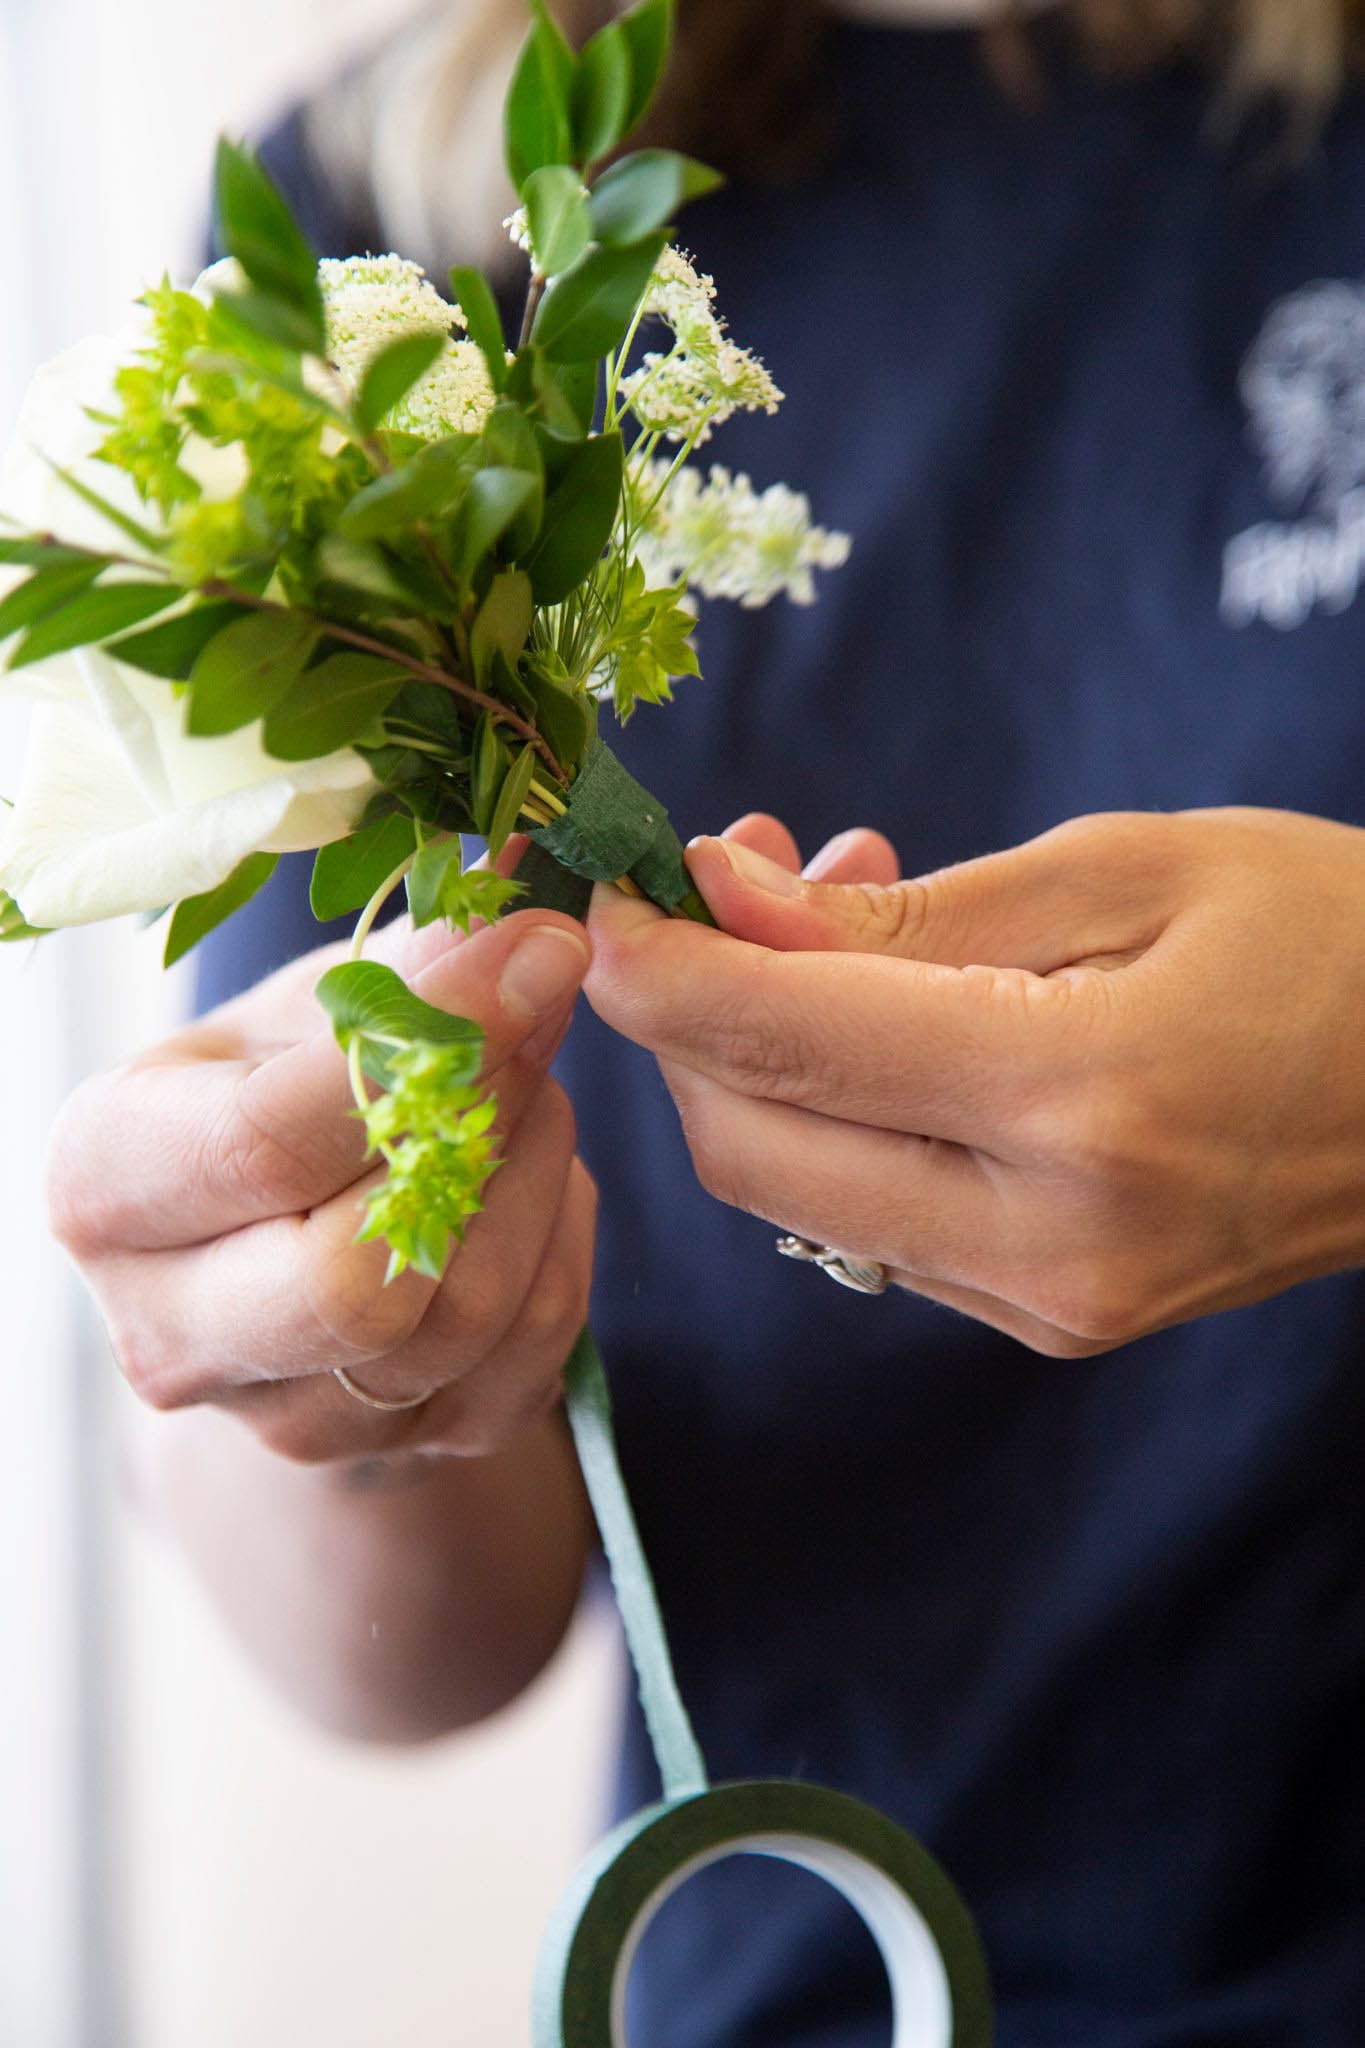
(119, 810)
(54, 427)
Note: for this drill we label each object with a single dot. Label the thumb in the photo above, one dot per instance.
(1094, 888)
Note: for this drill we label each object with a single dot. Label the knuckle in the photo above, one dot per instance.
(295, 1432)
(267, 1167)
(79, 1208)
(150, 1368)
(353, 1311)
(890, 918)
(1094, 1306)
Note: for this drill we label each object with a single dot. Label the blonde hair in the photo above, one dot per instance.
(411, 136)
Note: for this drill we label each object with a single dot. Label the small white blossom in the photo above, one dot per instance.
(368, 302)
(729, 540)
(518, 229)
(684, 298)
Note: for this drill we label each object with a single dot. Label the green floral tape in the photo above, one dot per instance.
(940, 1991)
(614, 827)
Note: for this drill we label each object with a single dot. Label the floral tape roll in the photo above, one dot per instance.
(940, 1995)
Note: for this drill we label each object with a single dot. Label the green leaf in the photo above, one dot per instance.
(172, 648)
(154, 543)
(35, 551)
(428, 486)
(347, 872)
(509, 442)
(585, 313)
(258, 229)
(391, 374)
(536, 127)
(495, 497)
(580, 513)
(246, 668)
(330, 705)
(511, 797)
(44, 590)
(488, 768)
(14, 925)
(564, 716)
(648, 33)
(368, 1001)
(198, 915)
(503, 622)
(557, 215)
(363, 569)
(567, 393)
(94, 615)
(644, 191)
(439, 886)
(601, 94)
(475, 297)
(245, 317)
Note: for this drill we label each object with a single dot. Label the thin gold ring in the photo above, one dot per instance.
(357, 1393)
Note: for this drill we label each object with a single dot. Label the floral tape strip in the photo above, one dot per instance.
(614, 827)
(940, 1990)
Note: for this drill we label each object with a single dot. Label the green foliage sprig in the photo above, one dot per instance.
(369, 525)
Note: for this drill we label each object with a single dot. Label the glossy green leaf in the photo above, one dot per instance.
(601, 94)
(172, 648)
(365, 573)
(347, 872)
(44, 590)
(509, 442)
(247, 316)
(494, 499)
(391, 374)
(644, 191)
(36, 551)
(329, 706)
(428, 486)
(258, 229)
(647, 30)
(370, 1001)
(475, 296)
(198, 915)
(536, 127)
(96, 614)
(503, 622)
(488, 770)
(557, 215)
(511, 797)
(580, 513)
(564, 716)
(585, 313)
(245, 669)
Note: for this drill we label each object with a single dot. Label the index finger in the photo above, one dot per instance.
(201, 1140)
(907, 1045)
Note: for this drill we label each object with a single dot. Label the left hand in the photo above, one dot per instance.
(1101, 1083)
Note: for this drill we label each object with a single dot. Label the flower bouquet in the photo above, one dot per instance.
(309, 558)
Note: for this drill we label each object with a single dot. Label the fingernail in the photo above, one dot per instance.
(543, 970)
(825, 859)
(758, 869)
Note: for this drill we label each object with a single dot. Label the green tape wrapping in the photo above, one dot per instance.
(940, 1990)
(550, 886)
(614, 827)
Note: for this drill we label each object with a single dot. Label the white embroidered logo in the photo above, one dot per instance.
(1304, 387)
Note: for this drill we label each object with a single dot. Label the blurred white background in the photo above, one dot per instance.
(180, 1861)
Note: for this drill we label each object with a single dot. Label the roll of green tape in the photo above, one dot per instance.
(940, 1994)
(940, 1990)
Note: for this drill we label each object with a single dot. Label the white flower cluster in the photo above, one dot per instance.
(729, 540)
(704, 377)
(368, 302)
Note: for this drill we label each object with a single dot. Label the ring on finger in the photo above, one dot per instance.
(385, 1407)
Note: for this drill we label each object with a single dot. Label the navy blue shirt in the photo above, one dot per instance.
(1096, 1632)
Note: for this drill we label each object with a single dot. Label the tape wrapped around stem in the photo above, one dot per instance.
(611, 827)
(940, 1989)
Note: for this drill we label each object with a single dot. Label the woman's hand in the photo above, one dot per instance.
(211, 1192)
(1101, 1083)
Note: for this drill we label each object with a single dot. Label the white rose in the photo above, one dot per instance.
(119, 809)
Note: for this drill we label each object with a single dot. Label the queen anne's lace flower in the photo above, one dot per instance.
(729, 540)
(684, 298)
(368, 301)
(704, 377)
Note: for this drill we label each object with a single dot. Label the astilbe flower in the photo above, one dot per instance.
(368, 301)
(729, 540)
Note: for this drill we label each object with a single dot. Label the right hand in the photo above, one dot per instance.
(210, 1189)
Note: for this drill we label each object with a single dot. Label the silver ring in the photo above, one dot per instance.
(356, 1393)
(864, 1276)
